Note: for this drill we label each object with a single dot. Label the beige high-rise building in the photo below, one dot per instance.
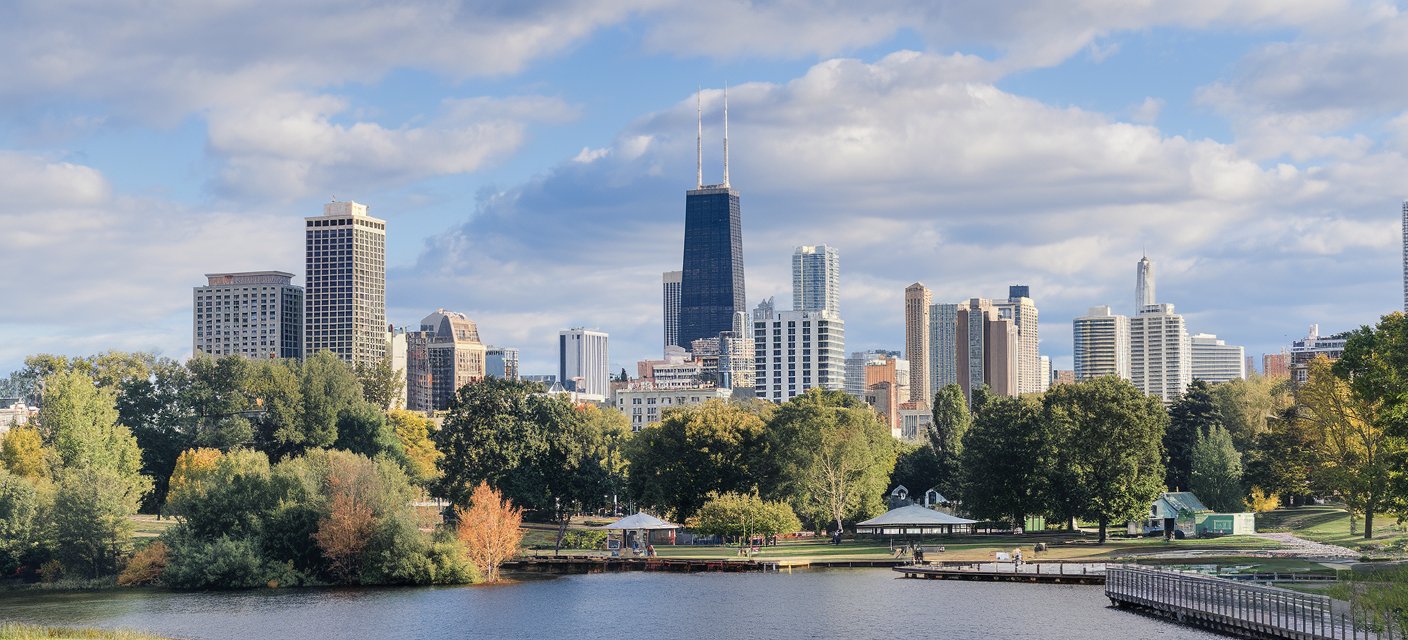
(1021, 310)
(443, 356)
(345, 292)
(987, 349)
(255, 314)
(917, 299)
(1160, 354)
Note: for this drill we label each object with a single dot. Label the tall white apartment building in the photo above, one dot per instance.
(582, 356)
(1021, 310)
(943, 345)
(797, 350)
(670, 287)
(1161, 355)
(1143, 284)
(1045, 373)
(736, 354)
(397, 348)
(255, 314)
(1216, 361)
(1101, 344)
(345, 302)
(816, 279)
(917, 299)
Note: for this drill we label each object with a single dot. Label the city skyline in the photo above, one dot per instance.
(514, 184)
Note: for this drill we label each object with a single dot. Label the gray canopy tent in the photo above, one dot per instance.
(915, 520)
(636, 531)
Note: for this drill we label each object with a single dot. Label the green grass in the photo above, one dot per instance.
(1248, 564)
(9, 631)
(148, 526)
(1330, 525)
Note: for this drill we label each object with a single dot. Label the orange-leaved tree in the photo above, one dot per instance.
(343, 533)
(490, 529)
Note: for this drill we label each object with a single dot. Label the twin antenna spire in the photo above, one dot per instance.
(699, 141)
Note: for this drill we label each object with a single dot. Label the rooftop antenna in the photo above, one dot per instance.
(725, 135)
(699, 140)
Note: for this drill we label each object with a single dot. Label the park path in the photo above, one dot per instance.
(1297, 547)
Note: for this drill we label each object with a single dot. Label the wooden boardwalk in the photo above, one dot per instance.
(1048, 573)
(1247, 610)
(602, 564)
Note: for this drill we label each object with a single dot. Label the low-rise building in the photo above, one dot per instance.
(644, 404)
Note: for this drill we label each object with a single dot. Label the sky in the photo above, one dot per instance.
(530, 158)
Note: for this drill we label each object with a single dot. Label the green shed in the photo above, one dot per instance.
(1225, 524)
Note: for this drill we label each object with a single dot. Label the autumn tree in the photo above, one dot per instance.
(834, 457)
(1353, 446)
(490, 529)
(343, 533)
(413, 431)
(194, 470)
(22, 453)
(1249, 407)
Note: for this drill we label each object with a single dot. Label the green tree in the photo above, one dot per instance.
(413, 430)
(692, 451)
(835, 457)
(1375, 366)
(917, 467)
(1217, 471)
(91, 526)
(1002, 479)
(1193, 414)
(1283, 458)
(487, 434)
(80, 422)
(950, 424)
(743, 516)
(1111, 436)
(381, 383)
(363, 428)
(21, 522)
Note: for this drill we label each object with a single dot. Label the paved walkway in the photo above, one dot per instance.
(1294, 547)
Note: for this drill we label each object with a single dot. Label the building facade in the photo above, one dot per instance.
(943, 345)
(1311, 347)
(711, 282)
(1276, 365)
(1101, 344)
(1143, 285)
(501, 362)
(1216, 361)
(443, 356)
(797, 350)
(1021, 310)
(582, 357)
(855, 370)
(987, 349)
(645, 405)
(670, 288)
(816, 279)
(345, 301)
(255, 314)
(1161, 356)
(917, 300)
(398, 349)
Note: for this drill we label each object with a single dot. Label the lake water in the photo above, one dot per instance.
(840, 603)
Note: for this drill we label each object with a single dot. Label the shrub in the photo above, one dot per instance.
(222, 563)
(584, 539)
(145, 567)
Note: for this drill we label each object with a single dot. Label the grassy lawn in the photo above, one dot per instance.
(31, 632)
(1247, 564)
(148, 526)
(1330, 524)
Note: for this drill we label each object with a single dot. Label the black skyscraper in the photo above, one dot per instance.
(711, 286)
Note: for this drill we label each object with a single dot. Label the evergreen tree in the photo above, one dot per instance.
(1191, 415)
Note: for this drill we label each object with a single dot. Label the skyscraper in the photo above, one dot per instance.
(1101, 345)
(797, 350)
(670, 286)
(443, 356)
(816, 279)
(711, 282)
(1021, 310)
(1160, 355)
(1216, 361)
(943, 345)
(345, 301)
(501, 362)
(1143, 285)
(1405, 255)
(917, 299)
(582, 356)
(255, 314)
(987, 349)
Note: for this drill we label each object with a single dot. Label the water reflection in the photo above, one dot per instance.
(859, 603)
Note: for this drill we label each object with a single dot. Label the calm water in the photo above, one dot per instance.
(853, 603)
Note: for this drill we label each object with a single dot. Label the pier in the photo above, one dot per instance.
(1036, 572)
(1238, 608)
(601, 564)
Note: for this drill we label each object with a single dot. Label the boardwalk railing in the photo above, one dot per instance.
(1243, 609)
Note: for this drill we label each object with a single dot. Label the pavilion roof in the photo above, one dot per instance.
(913, 515)
(641, 520)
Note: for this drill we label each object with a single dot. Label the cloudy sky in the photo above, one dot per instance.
(531, 157)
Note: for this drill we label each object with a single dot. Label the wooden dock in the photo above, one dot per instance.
(1043, 573)
(603, 564)
(1237, 608)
